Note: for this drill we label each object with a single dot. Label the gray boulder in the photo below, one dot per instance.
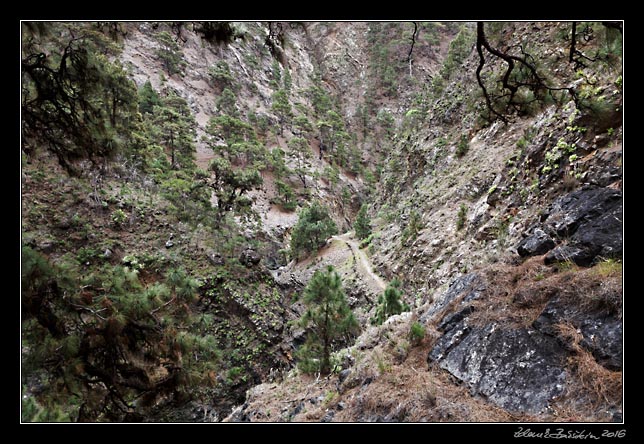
(535, 244)
(250, 257)
(216, 259)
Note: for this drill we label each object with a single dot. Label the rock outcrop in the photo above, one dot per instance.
(250, 257)
(588, 224)
(601, 329)
(520, 368)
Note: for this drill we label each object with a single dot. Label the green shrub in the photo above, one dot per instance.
(463, 146)
(460, 218)
(362, 224)
(389, 303)
(416, 333)
(221, 76)
(313, 228)
(367, 241)
(119, 217)
(413, 227)
(522, 143)
(87, 255)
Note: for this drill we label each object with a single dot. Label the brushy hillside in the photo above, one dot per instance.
(183, 181)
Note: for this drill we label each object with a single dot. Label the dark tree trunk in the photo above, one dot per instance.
(172, 147)
(573, 42)
(411, 48)
(325, 366)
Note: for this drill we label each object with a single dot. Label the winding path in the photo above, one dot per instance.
(363, 263)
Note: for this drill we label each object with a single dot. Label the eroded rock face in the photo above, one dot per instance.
(520, 370)
(601, 330)
(590, 219)
(472, 284)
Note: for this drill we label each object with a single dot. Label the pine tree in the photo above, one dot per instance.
(288, 81)
(276, 72)
(327, 319)
(176, 129)
(286, 195)
(104, 337)
(282, 108)
(76, 102)
(362, 225)
(148, 98)
(236, 165)
(389, 303)
(227, 103)
(221, 76)
(301, 126)
(169, 53)
(277, 163)
(313, 228)
(300, 147)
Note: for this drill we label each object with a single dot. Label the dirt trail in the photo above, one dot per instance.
(364, 264)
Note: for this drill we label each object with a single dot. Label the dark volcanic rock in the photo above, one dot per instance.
(451, 320)
(603, 338)
(520, 370)
(579, 256)
(250, 257)
(471, 284)
(587, 204)
(239, 414)
(601, 330)
(591, 219)
(535, 244)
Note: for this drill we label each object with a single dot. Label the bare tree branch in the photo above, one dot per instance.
(411, 48)
(534, 82)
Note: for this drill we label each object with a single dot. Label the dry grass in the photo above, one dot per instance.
(414, 392)
(391, 380)
(517, 295)
(382, 386)
(408, 390)
(609, 268)
(599, 387)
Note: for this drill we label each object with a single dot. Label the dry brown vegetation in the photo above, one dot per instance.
(390, 379)
(517, 295)
(390, 382)
(413, 392)
(593, 388)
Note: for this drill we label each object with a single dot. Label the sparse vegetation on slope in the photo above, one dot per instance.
(184, 184)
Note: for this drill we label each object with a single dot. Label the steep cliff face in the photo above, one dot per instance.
(502, 218)
(458, 195)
